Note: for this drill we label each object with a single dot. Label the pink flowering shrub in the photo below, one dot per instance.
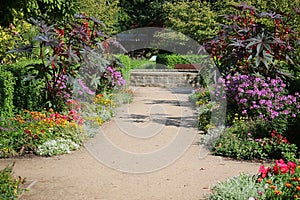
(266, 98)
(255, 97)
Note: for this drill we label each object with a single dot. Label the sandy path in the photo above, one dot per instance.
(86, 174)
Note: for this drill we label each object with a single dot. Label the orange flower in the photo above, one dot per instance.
(273, 187)
(296, 196)
(294, 179)
(288, 185)
(298, 187)
(269, 181)
(277, 192)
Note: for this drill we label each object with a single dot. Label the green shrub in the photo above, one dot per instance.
(126, 65)
(7, 82)
(129, 63)
(239, 187)
(125, 60)
(27, 92)
(140, 64)
(10, 185)
(238, 141)
(170, 60)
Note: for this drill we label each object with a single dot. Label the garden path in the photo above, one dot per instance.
(82, 174)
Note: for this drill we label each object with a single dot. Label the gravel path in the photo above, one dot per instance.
(148, 151)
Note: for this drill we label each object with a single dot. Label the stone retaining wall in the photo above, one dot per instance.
(163, 78)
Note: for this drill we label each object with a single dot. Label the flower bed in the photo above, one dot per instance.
(49, 133)
(279, 181)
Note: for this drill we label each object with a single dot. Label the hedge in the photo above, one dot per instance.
(21, 93)
(170, 60)
(7, 82)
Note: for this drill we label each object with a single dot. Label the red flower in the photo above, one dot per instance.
(53, 65)
(57, 115)
(292, 166)
(280, 166)
(65, 117)
(273, 133)
(264, 171)
(284, 140)
(60, 32)
(27, 131)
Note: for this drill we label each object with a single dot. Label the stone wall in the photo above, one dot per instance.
(163, 78)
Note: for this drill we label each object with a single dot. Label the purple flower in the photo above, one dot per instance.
(262, 101)
(286, 112)
(244, 100)
(268, 97)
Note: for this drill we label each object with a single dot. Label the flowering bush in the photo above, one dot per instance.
(238, 142)
(255, 107)
(281, 181)
(258, 97)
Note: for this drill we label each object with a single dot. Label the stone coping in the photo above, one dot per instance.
(163, 70)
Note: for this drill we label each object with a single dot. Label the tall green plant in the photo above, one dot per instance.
(63, 50)
(247, 45)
